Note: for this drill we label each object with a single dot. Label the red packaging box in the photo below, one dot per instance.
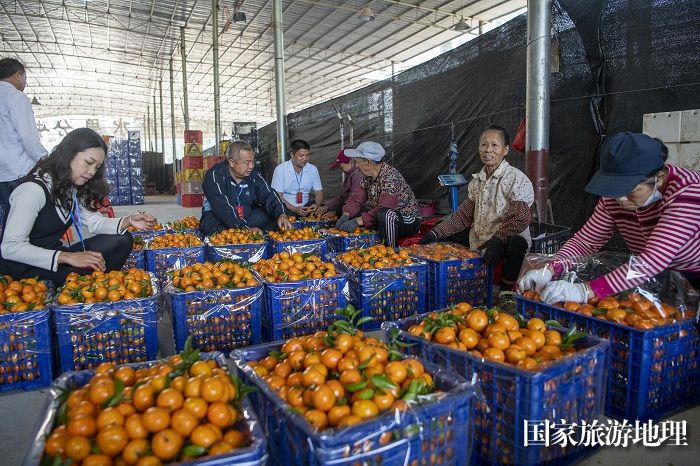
(193, 136)
(192, 200)
(189, 163)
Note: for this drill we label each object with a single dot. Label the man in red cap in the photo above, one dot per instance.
(352, 197)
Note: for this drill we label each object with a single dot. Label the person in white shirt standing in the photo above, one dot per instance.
(20, 145)
(296, 178)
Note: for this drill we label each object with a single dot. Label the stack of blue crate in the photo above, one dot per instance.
(136, 168)
(111, 171)
(124, 170)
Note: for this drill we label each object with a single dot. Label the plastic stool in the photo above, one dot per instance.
(407, 241)
(430, 223)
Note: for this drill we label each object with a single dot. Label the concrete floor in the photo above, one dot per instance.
(24, 408)
(163, 208)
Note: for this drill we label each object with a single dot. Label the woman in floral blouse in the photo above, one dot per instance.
(496, 216)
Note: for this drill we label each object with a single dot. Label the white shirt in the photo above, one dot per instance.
(288, 182)
(20, 145)
(26, 201)
(492, 198)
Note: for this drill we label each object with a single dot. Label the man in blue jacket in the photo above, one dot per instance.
(236, 196)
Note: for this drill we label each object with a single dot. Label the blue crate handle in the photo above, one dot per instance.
(105, 320)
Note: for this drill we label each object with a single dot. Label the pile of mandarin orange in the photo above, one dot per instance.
(27, 294)
(98, 287)
(288, 267)
(493, 335)
(174, 240)
(186, 223)
(442, 251)
(375, 257)
(158, 226)
(344, 383)
(236, 236)
(294, 235)
(356, 232)
(149, 416)
(213, 275)
(634, 310)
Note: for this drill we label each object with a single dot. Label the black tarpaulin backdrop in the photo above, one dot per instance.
(645, 61)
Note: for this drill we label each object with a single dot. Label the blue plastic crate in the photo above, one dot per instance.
(345, 243)
(25, 350)
(160, 261)
(250, 252)
(387, 294)
(570, 389)
(652, 373)
(548, 239)
(136, 259)
(438, 433)
(317, 247)
(216, 319)
(254, 454)
(120, 332)
(301, 308)
(455, 281)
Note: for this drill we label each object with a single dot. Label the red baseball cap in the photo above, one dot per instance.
(340, 158)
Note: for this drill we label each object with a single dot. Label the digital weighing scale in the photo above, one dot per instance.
(453, 181)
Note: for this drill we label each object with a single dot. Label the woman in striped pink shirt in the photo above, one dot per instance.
(656, 208)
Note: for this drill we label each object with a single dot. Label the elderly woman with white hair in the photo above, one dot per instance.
(391, 206)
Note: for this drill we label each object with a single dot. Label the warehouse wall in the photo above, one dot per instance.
(646, 62)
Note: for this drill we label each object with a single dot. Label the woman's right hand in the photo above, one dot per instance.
(83, 260)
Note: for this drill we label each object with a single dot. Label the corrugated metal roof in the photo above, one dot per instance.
(104, 57)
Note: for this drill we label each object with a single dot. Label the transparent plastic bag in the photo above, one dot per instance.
(668, 293)
(252, 455)
(387, 293)
(160, 261)
(302, 307)
(249, 252)
(216, 319)
(119, 332)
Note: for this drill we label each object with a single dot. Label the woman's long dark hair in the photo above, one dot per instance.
(57, 166)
